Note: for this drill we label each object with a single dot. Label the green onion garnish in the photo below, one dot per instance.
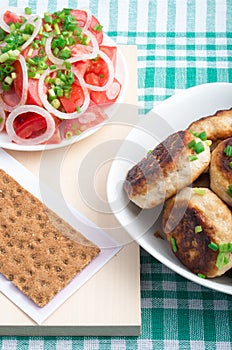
(199, 147)
(98, 28)
(192, 157)
(199, 191)
(173, 242)
(229, 190)
(213, 246)
(222, 260)
(191, 144)
(198, 229)
(27, 11)
(228, 151)
(201, 275)
(202, 135)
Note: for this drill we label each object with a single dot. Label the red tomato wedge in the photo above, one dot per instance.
(33, 93)
(94, 28)
(76, 99)
(10, 17)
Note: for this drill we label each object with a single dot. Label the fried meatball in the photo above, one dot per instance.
(217, 126)
(221, 171)
(171, 166)
(198, 224)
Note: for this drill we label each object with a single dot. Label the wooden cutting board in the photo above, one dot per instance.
(109, 303)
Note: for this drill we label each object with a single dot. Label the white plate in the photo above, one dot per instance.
(121, 74)
(173, 114)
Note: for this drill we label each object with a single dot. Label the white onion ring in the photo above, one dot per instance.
(111, 74)
(23, 99)
(32, 141)
(3, 116)
(53, 110)
(113, 91)
(88, 20)
(37, 25)
(94, 50)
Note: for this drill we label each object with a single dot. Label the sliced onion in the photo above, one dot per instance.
(56, 112)
(111, 74)
(2, 118)
(88, 20)
(23, 99)
(32, 141)
(93, 51)
(113, 91)
(37, 25)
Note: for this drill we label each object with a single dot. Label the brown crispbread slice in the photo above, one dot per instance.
(39, 251)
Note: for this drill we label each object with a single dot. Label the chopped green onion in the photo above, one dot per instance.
(149, 151)
(98, 28)
(68, 135)
(52, 67)
(202, 135)
(229, 190)
(230, 247)
(199, 147)
(198, 229)
(222, 260)
(223, 247)
(199, 191)
(78, 109)
(201, 275)
(191, 144)
(173, 242)
(57, 29)
(55, 103)
(28, 11)
(228, 151)
(5, 87)
(192, 157)
(47, 18)
(213, 246)
(230, 164)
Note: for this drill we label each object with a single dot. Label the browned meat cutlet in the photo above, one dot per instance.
(166, 170)
(217, 126)
(195, 221)
(221, 170)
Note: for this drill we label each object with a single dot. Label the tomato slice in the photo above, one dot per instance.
(29, 125)
(81, 17)
(102, 97)
(111, 52)
(10, 17)
(33, 93)
(76, 99)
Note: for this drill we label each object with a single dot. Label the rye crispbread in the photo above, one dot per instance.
(39, 252)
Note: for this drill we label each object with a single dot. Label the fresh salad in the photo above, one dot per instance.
(56, 75)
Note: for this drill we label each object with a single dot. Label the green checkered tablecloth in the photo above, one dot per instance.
(180, 44)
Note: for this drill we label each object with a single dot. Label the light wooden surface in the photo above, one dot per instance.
(109, 303)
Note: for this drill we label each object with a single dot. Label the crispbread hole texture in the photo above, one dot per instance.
(39, 251)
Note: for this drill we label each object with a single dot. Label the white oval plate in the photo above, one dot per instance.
(171, 115)
(121, 74)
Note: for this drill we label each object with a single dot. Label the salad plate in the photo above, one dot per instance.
(121, 74)
(144, 225)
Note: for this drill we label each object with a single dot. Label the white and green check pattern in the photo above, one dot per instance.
(180, 44)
